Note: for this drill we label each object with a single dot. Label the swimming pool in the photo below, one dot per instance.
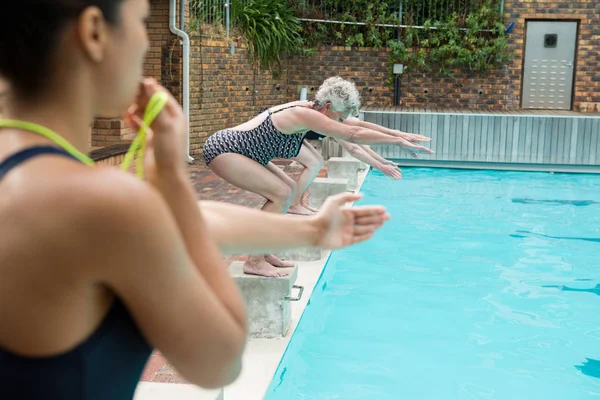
(482, 286)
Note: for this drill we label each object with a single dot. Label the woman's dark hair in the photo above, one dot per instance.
(29, 35)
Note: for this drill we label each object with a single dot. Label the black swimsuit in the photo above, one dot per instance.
(262, 144)
(105, 366)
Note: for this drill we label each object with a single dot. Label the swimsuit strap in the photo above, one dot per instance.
(24, 155)
(48, 134)
(281, 109)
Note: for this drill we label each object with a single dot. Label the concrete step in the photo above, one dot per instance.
(302, 254)
(344, 168)
(322, 188)
(346, 154)
(267, 301)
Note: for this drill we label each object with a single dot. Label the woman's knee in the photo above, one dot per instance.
(320, 161)
(316, 163)
(293, 187)
(284, 192)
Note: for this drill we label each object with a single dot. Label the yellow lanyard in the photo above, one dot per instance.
(47, 133)
(155, 105)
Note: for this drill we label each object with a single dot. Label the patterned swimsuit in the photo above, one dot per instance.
(261, 144)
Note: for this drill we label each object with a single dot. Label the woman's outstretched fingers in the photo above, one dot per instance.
(344, 198)
(420, 138)
(371, 219)
(362, 211)
(360, 230)
(366, 212)
(362, 238)
(418, 147)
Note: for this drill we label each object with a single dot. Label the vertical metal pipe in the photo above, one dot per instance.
(186, 71)
(182, 15)
(400, 7)
(397, 90)
(227, 17)
(400, 4)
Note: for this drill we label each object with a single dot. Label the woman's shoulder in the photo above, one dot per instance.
(291, 105)
(90, 202)
(82, 216)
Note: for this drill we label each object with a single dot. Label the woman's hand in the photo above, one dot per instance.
(341, 227)
(165, 152)
(390, 162)
(413, 137)
(413, 148)
(410, 143)
(392, 171)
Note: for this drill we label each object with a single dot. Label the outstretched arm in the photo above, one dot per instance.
(306, 119)
(392, 132)
(243, 230)
(360, 152)
(238, 229)
(376, 156)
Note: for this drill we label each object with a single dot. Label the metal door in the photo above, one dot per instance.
(549, 65)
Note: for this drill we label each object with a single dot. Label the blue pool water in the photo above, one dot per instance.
(484, 285)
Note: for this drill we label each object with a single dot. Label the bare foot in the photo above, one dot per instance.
(263, 268)
(276, 262)
(309, 208)
(299, 210)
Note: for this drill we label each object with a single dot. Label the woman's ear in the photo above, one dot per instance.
(92, 33)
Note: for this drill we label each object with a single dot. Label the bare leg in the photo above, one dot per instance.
(271, 258)
(304, 196)
(312, 162)
(249, 175)
(304, 202)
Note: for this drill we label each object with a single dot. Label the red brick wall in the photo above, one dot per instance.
(106, 132)
(163, 63)
(225, 89)
(367, 68)
(501, 89)
(497, 89)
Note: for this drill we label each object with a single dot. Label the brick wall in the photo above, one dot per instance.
(163, 63)
(367, 68)
(494, 90)
(225, 89)
(107, 132)
(501, 89)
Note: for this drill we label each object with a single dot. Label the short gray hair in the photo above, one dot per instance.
(342, 94)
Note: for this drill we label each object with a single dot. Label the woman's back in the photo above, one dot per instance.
(258, 119)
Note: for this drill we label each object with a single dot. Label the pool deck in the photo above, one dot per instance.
(262, 356)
